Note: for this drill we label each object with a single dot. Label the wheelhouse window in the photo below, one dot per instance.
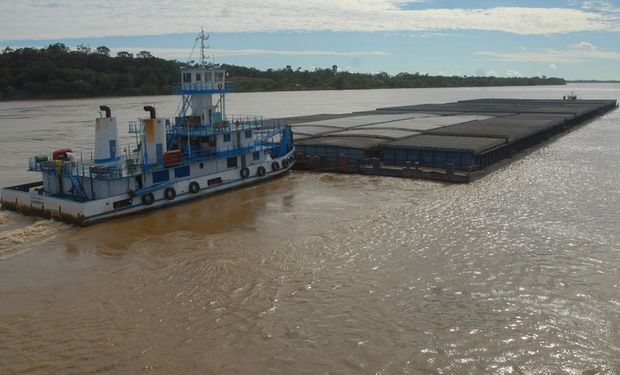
(232, 162)
(226, 137)
(248, 133)
(198, 77)
(187, 77)
(256, 155)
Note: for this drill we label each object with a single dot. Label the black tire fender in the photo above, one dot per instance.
(285, 163)
(148, 199)
(275, 166)
(170, 193)
(194, 187)
(245, 172)
(261, 171)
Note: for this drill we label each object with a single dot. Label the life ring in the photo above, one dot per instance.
(61, 154)
(219, 86)
(245, 173)
(275, 166)
(148, 199)
(261, 171)
(194, 187)
(170, 193)
(237, 123)
(285, 163)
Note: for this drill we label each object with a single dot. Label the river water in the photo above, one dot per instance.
(323, 273)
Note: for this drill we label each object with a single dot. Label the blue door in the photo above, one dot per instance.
(159, 151)
(112, 149)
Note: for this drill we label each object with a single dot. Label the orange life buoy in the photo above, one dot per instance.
(60, 154)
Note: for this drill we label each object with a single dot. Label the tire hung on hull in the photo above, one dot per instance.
(148, 199)
(275, 166)
(170, 193)
(261, 171)
(245, 172)
(285, 163)
(194, 187)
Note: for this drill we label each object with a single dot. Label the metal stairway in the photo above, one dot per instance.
(77, 189)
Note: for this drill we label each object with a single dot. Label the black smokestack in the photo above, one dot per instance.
(107, 110)
(151, 110)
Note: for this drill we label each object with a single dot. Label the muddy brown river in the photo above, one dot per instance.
(317, 273)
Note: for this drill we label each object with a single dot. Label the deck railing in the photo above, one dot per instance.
(123, 167)
(201, 87)
(266, 136)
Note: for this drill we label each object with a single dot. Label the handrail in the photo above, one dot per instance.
(202, 87)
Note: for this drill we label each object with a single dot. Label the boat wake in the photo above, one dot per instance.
(4, 218)
(15, 241)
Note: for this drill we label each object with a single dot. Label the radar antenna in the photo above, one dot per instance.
(204, 40)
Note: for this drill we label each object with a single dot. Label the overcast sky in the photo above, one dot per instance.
(574, 39)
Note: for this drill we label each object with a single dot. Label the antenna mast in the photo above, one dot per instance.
(204, 39)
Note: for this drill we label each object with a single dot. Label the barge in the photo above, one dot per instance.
(454, 142)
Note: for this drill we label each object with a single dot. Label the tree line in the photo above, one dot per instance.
(57, 71)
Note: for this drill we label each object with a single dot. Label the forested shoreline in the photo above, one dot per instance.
(56, 72)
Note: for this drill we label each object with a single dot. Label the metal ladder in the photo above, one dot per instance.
(77, 188)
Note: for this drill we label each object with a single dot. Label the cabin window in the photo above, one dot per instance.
(256, 155)
(232, 162)
(181, 171)
(248, 133)
(219, 76)
(161, 176)
(187, 77)
(198, 77)
(227, 137)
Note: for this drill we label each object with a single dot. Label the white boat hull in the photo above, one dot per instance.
(27, 200)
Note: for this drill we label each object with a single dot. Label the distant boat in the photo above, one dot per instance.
(202, 150)
(571, 96)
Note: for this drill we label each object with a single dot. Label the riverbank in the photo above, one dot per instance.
(56, 72)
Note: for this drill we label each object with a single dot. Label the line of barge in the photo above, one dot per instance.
(455, 142)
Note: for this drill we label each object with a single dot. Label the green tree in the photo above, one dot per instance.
(103, 50)
(144, 55)
(83, 48)
(124, 55)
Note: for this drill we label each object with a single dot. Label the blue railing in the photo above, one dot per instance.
(125, 167)
(201, 88)
(200, 155)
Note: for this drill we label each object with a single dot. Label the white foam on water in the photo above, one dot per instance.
(4, 218)
(19, 240)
